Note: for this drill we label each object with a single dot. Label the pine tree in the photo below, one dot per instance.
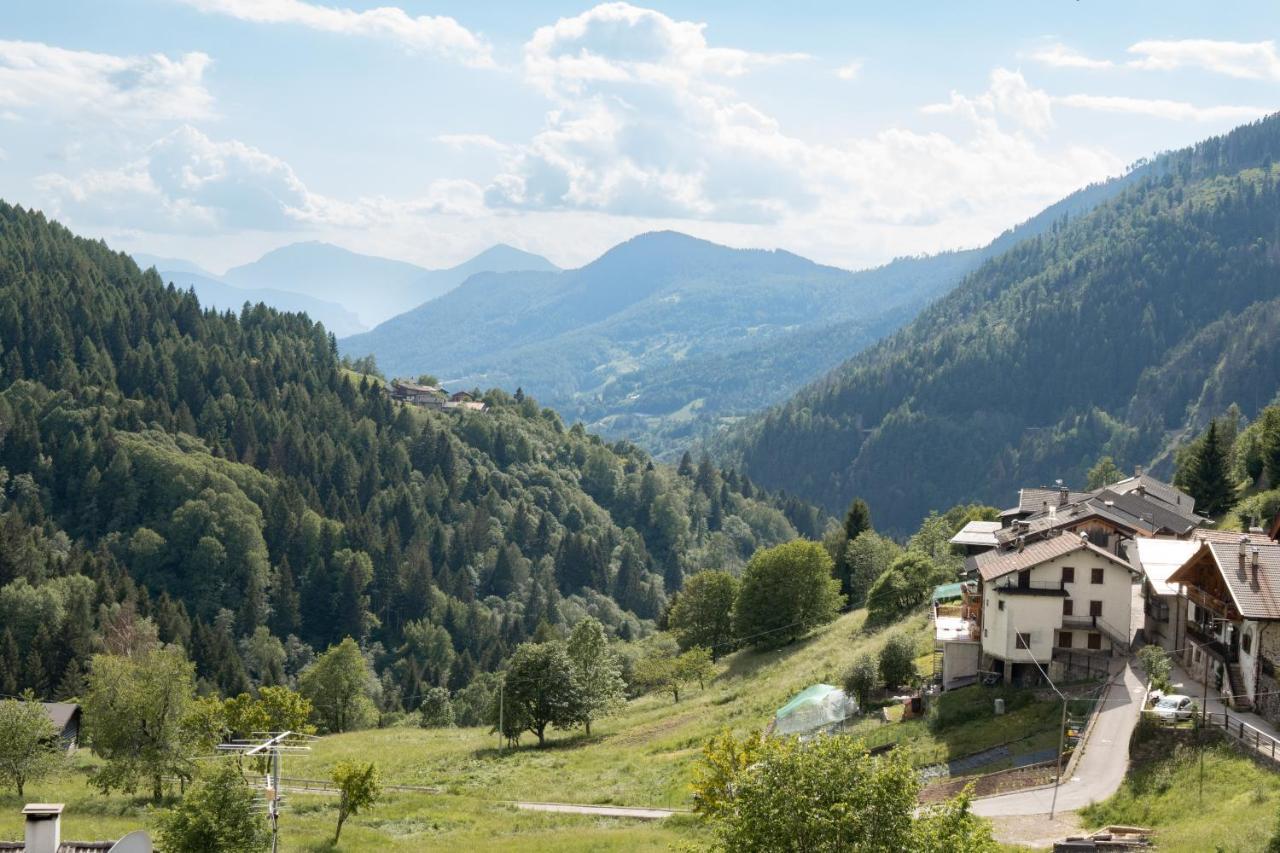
(857, 520)
(1208, 479)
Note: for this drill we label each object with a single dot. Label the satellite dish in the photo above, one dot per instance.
(135, 842)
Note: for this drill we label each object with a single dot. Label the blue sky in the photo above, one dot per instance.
(852, 133)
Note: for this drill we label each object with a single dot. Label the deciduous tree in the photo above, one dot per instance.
(135, 718)
(786, 591)
(596, 670)
(358, 789)
(702, 614)
(338, 685)
(540, 689)
(29, 747)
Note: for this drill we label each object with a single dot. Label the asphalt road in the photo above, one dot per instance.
(1102, 765)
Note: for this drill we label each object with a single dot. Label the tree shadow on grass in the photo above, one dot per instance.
(529, 745)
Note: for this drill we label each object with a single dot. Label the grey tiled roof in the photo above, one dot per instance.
(1256, 595)
(1158, 489)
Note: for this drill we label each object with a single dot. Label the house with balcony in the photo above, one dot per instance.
(1231, 602)
(1164, 617)
(1055, 604)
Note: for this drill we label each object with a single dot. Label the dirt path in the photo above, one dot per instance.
(1035, 831)
(601, 811)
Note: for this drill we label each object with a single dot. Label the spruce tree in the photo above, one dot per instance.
(1208, 481)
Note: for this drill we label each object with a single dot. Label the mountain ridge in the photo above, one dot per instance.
(995, 385)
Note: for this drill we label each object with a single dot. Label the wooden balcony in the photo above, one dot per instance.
(1216, 606)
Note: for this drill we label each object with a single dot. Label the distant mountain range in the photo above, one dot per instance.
(666, 338)
(1125, 320)
(347, 291)
(662, 335)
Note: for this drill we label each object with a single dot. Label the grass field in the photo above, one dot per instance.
(1237, 810)
(639, 757)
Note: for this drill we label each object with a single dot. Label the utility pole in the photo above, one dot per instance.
(502, 734)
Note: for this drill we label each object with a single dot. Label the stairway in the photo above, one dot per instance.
(1239, 698)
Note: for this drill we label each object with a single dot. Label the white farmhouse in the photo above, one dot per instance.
(1054, 604)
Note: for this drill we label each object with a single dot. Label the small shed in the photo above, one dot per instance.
(66, 717)
(820, 708)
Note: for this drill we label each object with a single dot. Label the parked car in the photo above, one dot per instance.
(1174, 707)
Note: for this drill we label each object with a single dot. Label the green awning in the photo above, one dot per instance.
(946, 591)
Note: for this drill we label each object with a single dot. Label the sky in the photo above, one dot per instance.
(851, 133)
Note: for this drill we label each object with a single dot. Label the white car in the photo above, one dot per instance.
(1174, 707)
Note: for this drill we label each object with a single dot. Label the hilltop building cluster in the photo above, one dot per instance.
(434, 397)
(1065, 581)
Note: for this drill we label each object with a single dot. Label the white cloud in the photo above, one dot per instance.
(1248, 60)
(436, 34)
(1009, 97)
(187, 183)
(1061, 56)
(463, 141)
(850, 71)
(1160, 108)
(646, 124)
(75, 84)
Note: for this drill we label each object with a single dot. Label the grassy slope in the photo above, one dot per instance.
(642, 756)
(1237, 811)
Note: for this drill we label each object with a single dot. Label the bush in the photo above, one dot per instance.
(1155, 660)
(436, 709)
(863, 678)
(898, 661)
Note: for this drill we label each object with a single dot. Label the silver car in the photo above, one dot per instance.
(1174, 707)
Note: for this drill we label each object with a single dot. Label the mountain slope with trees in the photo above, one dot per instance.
(225, 477)
(661, 335)
(1121, 331)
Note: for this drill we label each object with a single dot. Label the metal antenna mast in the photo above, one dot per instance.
(271, 745)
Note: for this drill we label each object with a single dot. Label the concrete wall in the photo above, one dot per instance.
(959, 660)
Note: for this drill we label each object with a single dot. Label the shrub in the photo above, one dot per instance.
(898, 661)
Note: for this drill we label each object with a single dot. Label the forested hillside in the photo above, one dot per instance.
(662, 335)
(1120, 331)
(224, 475)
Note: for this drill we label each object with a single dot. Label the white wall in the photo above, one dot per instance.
(1041, 615)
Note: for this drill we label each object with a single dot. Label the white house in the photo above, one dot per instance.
(1059, 602)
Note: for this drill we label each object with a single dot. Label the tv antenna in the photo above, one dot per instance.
(271, 746)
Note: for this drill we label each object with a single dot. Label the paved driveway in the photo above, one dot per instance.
(1102, 765)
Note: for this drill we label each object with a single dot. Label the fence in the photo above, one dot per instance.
(1262, 744)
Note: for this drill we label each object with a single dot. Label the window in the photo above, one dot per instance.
(1095, 641)
(1068, 574)
(1095, 608)
(1064, 639)
(1000, 604)
(1246, 642)
(1022, 641)
(984, 632)
(1024, 579)
(1096, 576)
(1068, 607)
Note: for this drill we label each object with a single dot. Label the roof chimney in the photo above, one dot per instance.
(1137, 470)
(1244, 549)
(1064, 495)
(44, 827)
(1254, 562)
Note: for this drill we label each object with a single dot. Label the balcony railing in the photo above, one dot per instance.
(1205, 639)
(1031, 588)
(1217, 606)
